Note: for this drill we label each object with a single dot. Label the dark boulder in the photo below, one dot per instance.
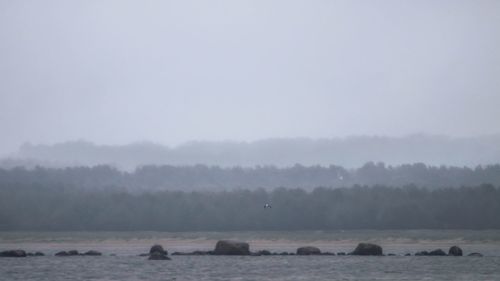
(73, 253)
(475, 255)
(13, 254)
(283, 254)
(367, 249)
(39, 254)
(227, 247)
(391, 255)
(455, 251)
(308, 250)
(341, 254)
(437, 252)
(158, 256)
(407, 255)
(158, 249)
(92, 253)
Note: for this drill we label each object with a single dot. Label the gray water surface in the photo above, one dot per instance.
(125, 264)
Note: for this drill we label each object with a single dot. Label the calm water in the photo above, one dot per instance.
(126, 265)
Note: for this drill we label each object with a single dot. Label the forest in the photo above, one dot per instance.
(214, 178)
(211, 198)
(56, 207)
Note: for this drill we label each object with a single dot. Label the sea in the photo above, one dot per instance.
(121, 258)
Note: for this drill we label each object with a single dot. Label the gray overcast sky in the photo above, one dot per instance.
(116, 72)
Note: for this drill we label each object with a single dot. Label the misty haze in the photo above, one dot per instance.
(249, 140)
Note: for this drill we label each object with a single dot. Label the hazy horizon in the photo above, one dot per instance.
(117, 72)
(350, 152)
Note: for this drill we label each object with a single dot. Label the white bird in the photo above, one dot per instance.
(267, 206)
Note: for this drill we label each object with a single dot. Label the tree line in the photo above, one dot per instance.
(202, 177)
(58, 207)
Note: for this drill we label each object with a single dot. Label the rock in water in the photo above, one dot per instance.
(92, 253)
(13, 254)
(66, 254)
(158, 249)
(158, 256)
(437, 252)
(158, 253)
(308, 250)
(264, 253)
(422, 253)
(475, 255)
(227, 247)
(367, 249)
(455, 251)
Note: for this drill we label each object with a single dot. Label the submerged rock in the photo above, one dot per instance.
(308, 250)
(341, 254)
(437, 252)
(455, 251)
(228, 247)
(264, 253)
(422, 253)
(475, 255)
(328, 254)
(367, 249)
(13, 254)
(92, 253)
(194, 253)
(67, 253)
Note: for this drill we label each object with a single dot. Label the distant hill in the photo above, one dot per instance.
(348, 152)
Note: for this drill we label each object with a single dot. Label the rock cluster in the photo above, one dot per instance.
(229, 247)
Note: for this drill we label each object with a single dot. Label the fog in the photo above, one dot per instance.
(117, 72)
(352, 152)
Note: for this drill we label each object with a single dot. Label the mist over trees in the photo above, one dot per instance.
(351, 152)
(54, 208)
(212, 178)
(210, 198)
(222, 198)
